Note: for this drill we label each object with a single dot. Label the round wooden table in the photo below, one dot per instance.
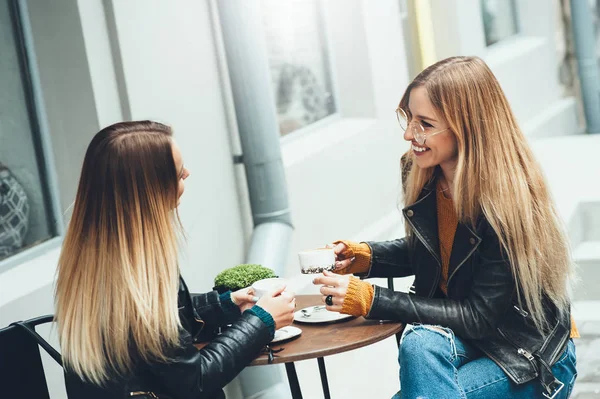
(319, 340)
(323, 339)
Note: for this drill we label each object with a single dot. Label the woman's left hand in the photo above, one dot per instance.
(244, 299)
(334, 285)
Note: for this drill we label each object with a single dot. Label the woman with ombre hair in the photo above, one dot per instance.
(490, 313)
(126, 320)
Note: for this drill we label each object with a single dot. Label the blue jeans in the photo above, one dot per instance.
(436, 364)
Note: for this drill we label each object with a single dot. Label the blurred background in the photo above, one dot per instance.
(284, 110)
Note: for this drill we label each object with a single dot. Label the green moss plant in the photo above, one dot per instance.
(241, 276)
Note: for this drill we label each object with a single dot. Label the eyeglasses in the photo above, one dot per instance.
(419, 132)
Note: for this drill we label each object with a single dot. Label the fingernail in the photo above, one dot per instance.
(255, 299)
(353, 259)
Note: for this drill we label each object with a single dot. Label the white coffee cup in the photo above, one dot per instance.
(264, 286)
(317, 260)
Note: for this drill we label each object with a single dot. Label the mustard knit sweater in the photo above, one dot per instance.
(359, 296)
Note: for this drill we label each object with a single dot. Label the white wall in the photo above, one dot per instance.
(171, 75)
(343, 176)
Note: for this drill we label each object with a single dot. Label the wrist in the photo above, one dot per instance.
(228, 304)
(265, 317)
(361, 252)
(358, 298)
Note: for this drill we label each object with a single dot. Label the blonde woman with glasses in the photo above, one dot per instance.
(490, 313)
(126, 320)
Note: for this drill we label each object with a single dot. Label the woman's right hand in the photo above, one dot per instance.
(341, 260)
(280, 305)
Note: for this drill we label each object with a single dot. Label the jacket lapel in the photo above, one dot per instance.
(422, 216)
(465, 243)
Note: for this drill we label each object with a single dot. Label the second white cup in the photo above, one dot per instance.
(264, 286)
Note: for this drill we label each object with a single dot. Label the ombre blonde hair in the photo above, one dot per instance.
(497, 177)
(116, 294)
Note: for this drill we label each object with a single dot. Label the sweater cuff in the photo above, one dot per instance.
(265, 317)
(231, 310)
(359, 298)
(362, 254)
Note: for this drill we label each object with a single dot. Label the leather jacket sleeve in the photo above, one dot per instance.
(194, 373)
(476, 316)
(390, 258)
(212, 311)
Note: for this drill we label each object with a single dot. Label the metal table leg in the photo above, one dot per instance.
(391, 283)
(324, 382)
(293, 380)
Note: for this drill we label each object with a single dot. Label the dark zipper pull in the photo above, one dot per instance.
(151, 395)
(520, 311)
(528, 355)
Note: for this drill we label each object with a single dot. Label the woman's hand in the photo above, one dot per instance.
(244, 298)
(334, 285)
(341, 262)
(280, 305)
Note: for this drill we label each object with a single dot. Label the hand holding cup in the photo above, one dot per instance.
(342, 262)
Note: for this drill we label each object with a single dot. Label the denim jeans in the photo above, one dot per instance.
(436, 364)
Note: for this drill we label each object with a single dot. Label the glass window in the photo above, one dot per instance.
(24, 208)
(299, 60)
(499, 19)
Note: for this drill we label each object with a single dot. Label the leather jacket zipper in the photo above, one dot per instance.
(141, 393)
(563, 340)
(520, 311)
(432, 252)
(556, 352)
(528, 355)
(520, 351)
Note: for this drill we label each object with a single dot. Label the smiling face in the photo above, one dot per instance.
(440, 146)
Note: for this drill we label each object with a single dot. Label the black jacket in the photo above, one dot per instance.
(192, 373)
(481, 304)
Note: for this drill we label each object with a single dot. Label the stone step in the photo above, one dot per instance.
(586, 390)
(587, 258)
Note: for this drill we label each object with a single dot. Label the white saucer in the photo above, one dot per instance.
(286, 333)
(318, 314)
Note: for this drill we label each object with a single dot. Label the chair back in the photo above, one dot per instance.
(21, 370)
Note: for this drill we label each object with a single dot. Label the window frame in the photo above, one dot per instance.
(516, 19)
(324, 21)
(41, 133)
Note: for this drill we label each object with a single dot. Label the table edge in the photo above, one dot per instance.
(262, 359)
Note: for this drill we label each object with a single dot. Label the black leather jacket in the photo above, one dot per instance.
(481, 304)
(192, 373)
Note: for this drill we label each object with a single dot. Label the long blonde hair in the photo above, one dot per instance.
(116, 294)
(497, 176)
